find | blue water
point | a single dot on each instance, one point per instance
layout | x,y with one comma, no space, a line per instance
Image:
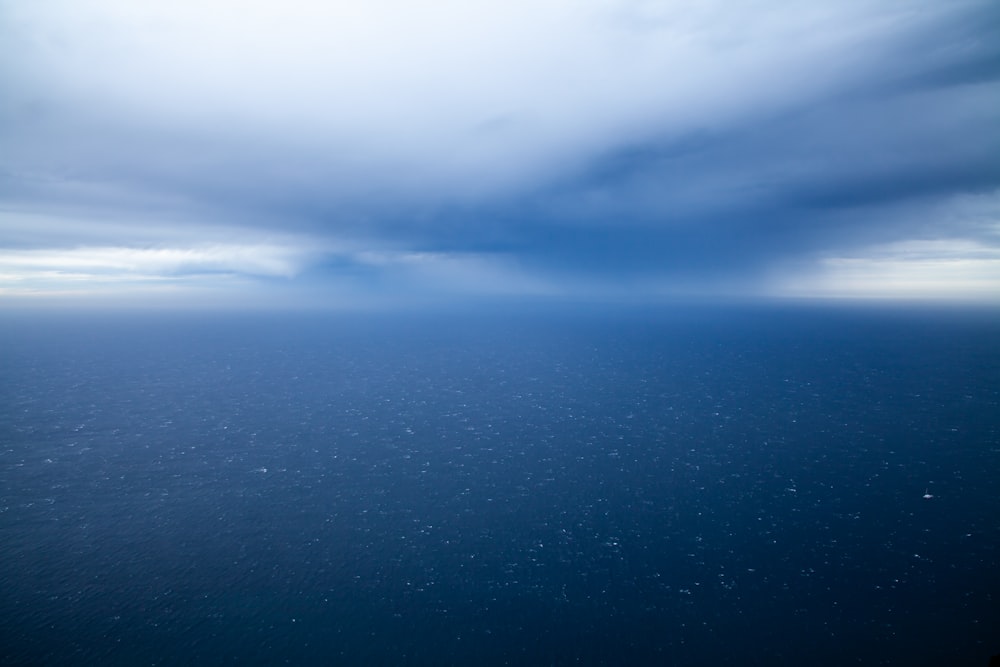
678,487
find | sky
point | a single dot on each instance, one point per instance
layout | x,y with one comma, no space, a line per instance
380,153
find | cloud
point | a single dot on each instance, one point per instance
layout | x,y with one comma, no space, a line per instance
130,272
942,268
548,147
252,260
929,267
449,98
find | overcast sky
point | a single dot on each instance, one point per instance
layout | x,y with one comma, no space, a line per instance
391,151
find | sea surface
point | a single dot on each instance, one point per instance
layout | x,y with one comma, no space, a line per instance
672,486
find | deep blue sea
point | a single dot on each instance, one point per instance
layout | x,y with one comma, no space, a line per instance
673,486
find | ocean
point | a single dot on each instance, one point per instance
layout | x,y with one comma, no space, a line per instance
754,485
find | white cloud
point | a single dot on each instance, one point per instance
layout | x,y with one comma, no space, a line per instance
421,95
140,262
915,269
122,271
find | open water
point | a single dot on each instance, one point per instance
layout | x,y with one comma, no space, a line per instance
759,486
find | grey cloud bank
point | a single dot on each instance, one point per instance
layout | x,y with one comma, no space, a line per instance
350,153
